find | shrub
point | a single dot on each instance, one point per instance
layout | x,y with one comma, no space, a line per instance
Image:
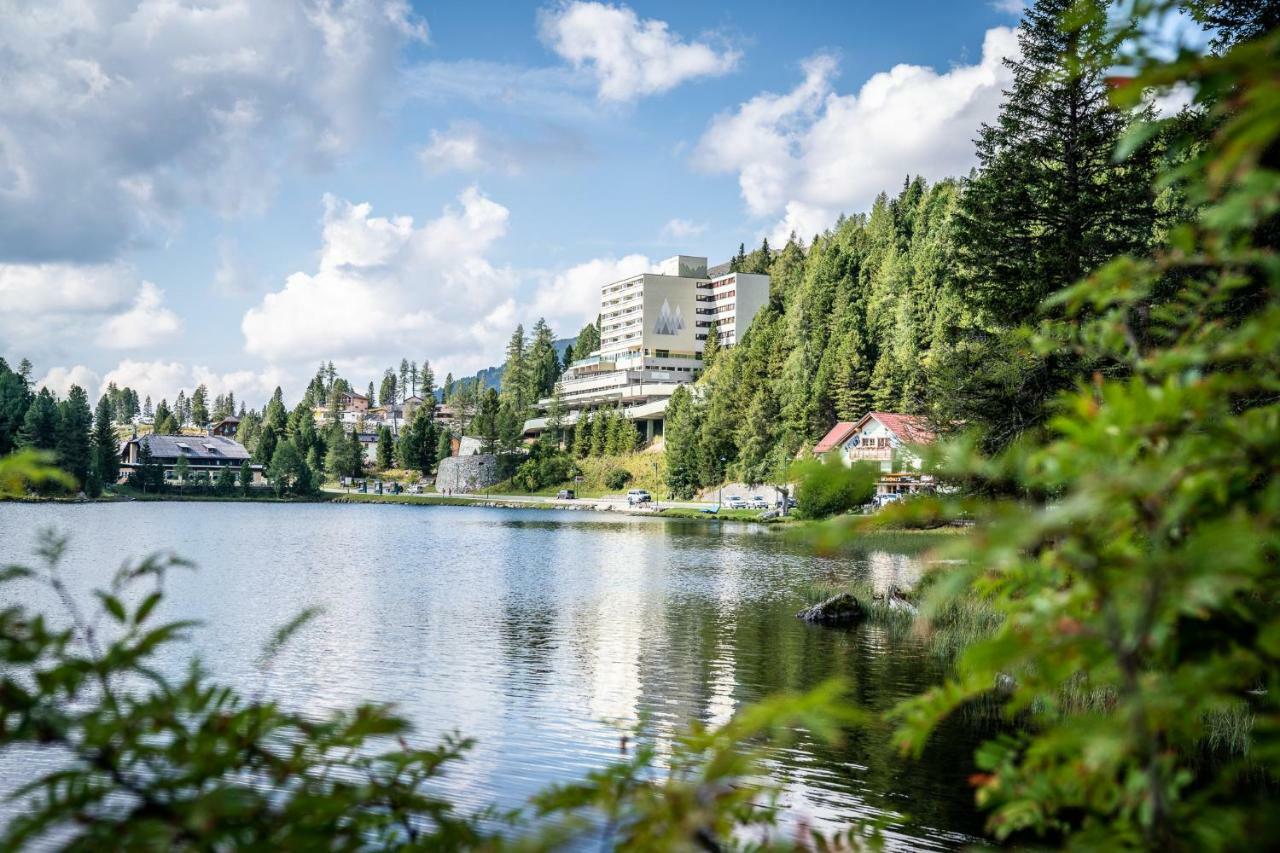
826,487
617,478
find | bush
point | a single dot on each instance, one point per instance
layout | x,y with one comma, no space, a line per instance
826,487
617,478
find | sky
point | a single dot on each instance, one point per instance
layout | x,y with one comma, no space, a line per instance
229,192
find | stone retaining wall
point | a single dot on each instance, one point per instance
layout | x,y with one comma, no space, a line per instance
465,474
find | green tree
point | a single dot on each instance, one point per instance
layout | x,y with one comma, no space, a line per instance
226,482
486,420
516,371
106,450
385,448
543,363
15,398
40,423
75,434
588,340
1050,201
711,346
757,439
200,406
246,477
387,391
826,487
182,470
444,445
288,472
680,435
582,435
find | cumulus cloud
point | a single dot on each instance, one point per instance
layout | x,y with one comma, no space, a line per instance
146,324
60,379
570,298
809,154
47,306
683,229
384,287
115,117
628,56
162,380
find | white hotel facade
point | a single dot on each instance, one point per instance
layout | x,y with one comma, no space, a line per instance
653,329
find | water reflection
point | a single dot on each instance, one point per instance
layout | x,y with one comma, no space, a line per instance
534,633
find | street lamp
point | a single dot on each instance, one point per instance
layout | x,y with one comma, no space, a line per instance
720,498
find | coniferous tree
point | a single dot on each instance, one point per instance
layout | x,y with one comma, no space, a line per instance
680,435
588,341
1050,201
515,371
40,423
387,392
74,434
384,447
486,420
199,406
543,363
15,398
582,434
711,346
105,447
147,411
246,477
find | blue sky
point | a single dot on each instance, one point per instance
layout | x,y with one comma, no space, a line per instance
227,192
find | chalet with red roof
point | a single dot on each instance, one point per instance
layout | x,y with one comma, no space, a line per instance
885,438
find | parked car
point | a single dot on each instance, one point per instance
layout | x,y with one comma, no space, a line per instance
638,496
735,502
758,502
565,495
791,503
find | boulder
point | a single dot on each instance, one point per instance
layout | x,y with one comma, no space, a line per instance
839,609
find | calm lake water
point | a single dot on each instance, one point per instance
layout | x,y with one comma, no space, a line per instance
535,632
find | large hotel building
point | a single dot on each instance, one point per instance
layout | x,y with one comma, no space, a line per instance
653,328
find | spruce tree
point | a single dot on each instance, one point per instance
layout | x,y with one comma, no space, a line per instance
74,434
1050,201
680,436
515,371
40,423
105,448
711,346
15,398
582,434
384,447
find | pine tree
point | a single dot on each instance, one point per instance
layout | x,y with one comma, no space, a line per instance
711,346
515,371
105,447
75,434
199,406
15,398
680,435
582,435
40,423
1051,202
599,433
543,363
147,411
588,341
756,438
384,447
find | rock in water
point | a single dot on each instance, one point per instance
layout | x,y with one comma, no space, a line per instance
840,609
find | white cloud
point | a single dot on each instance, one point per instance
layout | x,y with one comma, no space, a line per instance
570,299
384,288
809,154
164,379
629,57
1009,7
117,116
45,307
683,229
457,149
60,379
146,324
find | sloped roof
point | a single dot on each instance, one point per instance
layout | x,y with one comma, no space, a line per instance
199,448
836,436
910,429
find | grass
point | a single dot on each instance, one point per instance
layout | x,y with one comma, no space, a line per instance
722,515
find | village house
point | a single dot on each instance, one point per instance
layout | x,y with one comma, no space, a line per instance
207,454
351,401
227,427
887,439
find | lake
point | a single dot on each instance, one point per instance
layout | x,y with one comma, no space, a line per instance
536,632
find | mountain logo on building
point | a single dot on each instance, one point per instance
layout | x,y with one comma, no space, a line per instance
669,322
